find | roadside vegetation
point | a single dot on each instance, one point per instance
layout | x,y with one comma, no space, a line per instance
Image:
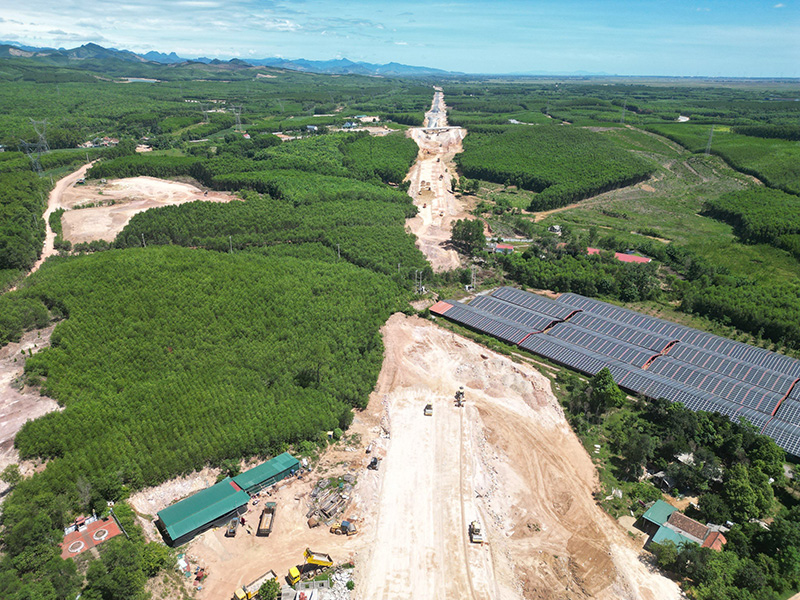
730,471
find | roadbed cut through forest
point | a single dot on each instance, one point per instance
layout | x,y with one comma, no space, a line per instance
429,180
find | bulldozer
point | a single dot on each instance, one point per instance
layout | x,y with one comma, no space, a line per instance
344,528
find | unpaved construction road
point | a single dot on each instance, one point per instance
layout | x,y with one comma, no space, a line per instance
508,459
18,403
429,179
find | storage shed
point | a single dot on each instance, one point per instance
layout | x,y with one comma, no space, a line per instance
268,473
207,508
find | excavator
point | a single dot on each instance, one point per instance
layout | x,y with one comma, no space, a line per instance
460,397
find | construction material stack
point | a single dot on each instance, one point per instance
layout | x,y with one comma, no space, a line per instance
251,589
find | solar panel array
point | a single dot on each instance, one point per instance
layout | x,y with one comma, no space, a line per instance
648,356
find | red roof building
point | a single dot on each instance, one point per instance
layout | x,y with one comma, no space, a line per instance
621,256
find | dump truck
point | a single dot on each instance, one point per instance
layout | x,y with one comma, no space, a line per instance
428,410
475,535
251,589
313,560
267,519
318,559
344,528
232,525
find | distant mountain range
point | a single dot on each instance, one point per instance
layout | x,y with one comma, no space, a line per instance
342,66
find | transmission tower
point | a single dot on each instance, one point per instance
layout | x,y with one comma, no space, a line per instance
237,111
35,151
710,137
622,117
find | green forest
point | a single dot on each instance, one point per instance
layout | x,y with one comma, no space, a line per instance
562,164
169,359
208,332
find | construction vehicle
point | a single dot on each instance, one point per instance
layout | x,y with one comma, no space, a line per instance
475,535
428,410
314,560
460,397
373,464
344,528
232,525
267,519
251,589
318,559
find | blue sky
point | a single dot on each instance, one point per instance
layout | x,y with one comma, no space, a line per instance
740,38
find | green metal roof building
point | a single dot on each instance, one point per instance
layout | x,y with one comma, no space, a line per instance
216,505
209,507
268,473
665,534
659,512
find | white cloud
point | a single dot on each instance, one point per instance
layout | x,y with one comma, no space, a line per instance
779,5
401,43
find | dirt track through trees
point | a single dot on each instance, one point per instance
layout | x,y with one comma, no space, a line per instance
429,180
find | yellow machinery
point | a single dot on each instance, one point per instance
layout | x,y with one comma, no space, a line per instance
317,559
344,527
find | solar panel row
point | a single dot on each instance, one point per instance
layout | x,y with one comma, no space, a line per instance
786,435
756,356
633,335
731,367
534,302
622,351
529,319
719,385
476,319
703,371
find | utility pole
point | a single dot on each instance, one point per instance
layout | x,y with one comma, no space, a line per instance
338,252
143,243
622,117
230,243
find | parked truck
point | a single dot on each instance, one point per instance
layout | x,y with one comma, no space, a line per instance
428,410
251,589
267,519
313,560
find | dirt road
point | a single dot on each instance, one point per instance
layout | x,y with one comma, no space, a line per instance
122,198
53,203
429,179
508,459
19,404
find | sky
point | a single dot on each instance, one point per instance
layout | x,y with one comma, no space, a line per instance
718,38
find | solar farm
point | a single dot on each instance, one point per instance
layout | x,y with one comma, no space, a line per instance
646,355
